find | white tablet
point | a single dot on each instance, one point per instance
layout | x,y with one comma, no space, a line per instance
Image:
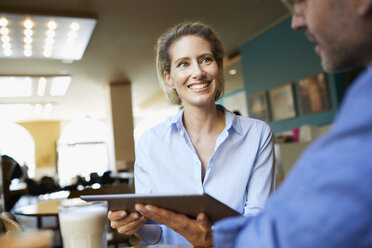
190,205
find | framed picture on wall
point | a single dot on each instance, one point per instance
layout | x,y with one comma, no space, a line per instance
258,106
313,94
283,102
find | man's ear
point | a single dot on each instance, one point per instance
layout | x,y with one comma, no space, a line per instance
168,79
364,7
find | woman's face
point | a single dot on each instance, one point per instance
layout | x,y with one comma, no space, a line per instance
194,72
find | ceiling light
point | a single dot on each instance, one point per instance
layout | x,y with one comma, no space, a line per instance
37,109
41,86
3,22
74,26
50,33
52,25
15,110
5,39
28,32
60,85
233,72
4,31
27,40
47,53
35,28
6,46
15,87
7,53
27,86
28,23
47,109
27,53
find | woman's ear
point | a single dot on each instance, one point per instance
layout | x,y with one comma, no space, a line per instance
168,80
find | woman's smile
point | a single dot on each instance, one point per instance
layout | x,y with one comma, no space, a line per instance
200,86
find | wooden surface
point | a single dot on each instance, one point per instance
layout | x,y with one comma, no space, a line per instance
34,239
45,208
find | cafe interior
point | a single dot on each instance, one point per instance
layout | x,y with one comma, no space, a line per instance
78,87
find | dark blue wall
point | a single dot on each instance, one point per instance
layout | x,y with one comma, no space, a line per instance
279,56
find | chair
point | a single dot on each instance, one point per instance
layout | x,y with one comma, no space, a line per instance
9,222
10,169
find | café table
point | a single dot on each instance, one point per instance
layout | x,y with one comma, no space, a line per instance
44,208
50,208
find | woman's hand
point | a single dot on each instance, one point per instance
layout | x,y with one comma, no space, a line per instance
126,223
197,232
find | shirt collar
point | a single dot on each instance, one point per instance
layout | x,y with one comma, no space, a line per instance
231,120
176,121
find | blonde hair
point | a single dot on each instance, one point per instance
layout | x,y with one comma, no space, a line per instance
175,33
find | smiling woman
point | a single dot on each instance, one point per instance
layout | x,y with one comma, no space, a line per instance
203,148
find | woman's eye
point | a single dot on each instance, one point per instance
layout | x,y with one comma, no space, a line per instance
207,60
182,64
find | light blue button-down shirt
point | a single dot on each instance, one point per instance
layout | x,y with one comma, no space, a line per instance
240,173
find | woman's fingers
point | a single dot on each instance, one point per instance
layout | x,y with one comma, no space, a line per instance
203,221
124,223
132,227
116,215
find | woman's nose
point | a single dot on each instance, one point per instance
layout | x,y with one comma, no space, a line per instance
197,71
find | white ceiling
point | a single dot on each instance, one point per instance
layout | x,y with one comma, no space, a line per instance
121,47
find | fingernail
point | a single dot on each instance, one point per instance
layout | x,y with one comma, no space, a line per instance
137,208
148,207
123,213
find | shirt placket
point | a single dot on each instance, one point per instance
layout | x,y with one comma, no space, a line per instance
197,166
220,139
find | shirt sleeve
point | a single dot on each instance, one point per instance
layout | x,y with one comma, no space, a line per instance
262,181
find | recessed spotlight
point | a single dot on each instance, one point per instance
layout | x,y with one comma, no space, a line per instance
28,32
28,24
27,40
50,33
47,53
52,25
5,39
233,72
3,22
7,52
4,31
27,53
6,46
74,26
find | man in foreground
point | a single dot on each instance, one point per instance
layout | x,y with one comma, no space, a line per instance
326,200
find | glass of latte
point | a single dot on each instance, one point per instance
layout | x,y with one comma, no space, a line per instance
84,225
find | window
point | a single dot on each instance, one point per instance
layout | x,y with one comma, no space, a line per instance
82,149
17,142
